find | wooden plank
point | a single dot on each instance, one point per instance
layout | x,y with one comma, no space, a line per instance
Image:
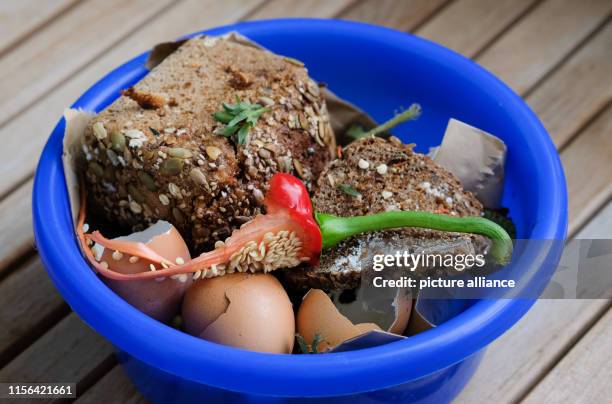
18,19
520,357
303,8
19,152
535,335
76,38
584,374
29,305
467,25
588,163
570,98
403,15
16,237
600,226
69,352
114,387
537,43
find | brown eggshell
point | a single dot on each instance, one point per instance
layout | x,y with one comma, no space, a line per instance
159,299
205,301
258,314
317,314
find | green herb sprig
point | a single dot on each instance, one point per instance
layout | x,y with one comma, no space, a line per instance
239,118
412,113
312,349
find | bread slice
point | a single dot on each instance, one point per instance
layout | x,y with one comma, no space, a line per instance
387,175
154,152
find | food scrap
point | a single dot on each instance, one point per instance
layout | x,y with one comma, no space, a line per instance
229,156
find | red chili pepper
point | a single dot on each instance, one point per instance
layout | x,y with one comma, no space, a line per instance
288,234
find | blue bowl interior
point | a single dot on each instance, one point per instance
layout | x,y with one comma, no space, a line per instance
379,70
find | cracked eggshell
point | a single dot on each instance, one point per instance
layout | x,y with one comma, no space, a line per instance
157,298
241,310
317,314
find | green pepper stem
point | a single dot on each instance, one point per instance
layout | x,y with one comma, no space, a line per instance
335,228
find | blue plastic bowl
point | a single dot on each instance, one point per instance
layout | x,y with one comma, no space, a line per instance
378,69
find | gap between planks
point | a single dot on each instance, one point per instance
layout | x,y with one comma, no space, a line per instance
21,19
53,54
584,374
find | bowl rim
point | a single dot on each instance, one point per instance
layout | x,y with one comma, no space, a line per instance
285,375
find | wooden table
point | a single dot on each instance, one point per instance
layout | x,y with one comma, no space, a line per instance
555,53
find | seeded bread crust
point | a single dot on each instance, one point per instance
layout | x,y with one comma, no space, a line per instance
153,153
388,175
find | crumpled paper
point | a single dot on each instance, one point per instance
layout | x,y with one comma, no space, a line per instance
476,157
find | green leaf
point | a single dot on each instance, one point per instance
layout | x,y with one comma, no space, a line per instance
302,344
239,118
349,190
229,130
243,133
318,338
222,116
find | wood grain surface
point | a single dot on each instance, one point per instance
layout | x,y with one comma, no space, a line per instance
556,53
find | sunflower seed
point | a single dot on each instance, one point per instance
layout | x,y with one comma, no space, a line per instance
303,121
147,181
164,199
135,193
266,101
96,169
213,152
175,190
312,88
180,152
264,153
172,166
135,207
259,196
117,141
99,130
198,177
178,215
298,168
